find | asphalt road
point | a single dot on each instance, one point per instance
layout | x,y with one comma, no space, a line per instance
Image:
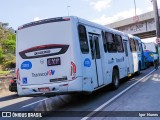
142,102
82,103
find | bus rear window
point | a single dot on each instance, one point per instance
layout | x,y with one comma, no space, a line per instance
83,39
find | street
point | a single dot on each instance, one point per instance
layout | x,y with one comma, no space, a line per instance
85,104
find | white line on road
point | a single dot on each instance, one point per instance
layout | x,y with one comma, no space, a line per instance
34,103
115,97
13,101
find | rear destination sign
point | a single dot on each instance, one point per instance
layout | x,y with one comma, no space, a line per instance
42,52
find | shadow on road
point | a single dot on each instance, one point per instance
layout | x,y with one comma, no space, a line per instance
9,97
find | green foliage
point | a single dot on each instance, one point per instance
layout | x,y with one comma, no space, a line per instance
4,72
7,48
1,55
8,61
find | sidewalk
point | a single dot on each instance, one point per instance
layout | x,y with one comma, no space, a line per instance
145,96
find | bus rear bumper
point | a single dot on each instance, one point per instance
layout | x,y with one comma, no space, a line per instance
52,94
68,87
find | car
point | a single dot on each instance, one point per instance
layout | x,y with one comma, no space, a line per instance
13,85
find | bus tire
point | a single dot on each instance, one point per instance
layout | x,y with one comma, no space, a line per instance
115,79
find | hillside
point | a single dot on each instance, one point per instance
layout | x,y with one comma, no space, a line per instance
7,48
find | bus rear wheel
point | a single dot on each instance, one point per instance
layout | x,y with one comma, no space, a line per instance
115,79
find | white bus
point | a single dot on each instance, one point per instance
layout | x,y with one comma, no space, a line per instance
70,55
137,52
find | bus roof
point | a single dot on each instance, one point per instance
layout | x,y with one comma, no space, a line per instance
67,18
44,21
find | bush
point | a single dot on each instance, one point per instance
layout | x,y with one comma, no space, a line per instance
8,65
1,55
8,62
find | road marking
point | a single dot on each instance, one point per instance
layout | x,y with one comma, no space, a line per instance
34,103
13,101
115,97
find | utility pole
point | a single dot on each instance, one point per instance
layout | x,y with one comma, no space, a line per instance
135,7
156,17
155,9
68,9
68,6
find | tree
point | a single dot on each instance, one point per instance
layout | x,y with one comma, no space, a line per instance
8,61
1,55
7,48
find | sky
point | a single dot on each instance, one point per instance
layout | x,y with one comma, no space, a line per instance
19,12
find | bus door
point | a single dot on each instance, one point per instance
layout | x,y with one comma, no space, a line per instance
97,73
128,63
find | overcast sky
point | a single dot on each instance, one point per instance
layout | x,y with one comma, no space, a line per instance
18,12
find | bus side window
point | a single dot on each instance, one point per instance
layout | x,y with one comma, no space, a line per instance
119,43
83,39
91,45
137,46
111,46
104,41
98,56
132,45
125,47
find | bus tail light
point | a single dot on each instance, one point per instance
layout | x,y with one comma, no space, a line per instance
73,70
74,67
17,74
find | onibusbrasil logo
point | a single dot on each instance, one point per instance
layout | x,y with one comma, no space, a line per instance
48,73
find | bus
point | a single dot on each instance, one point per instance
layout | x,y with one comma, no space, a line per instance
67,55
137,52
151,52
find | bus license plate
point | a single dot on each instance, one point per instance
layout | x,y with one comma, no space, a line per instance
53,61
44,89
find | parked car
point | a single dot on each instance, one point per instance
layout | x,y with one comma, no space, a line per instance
13,85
